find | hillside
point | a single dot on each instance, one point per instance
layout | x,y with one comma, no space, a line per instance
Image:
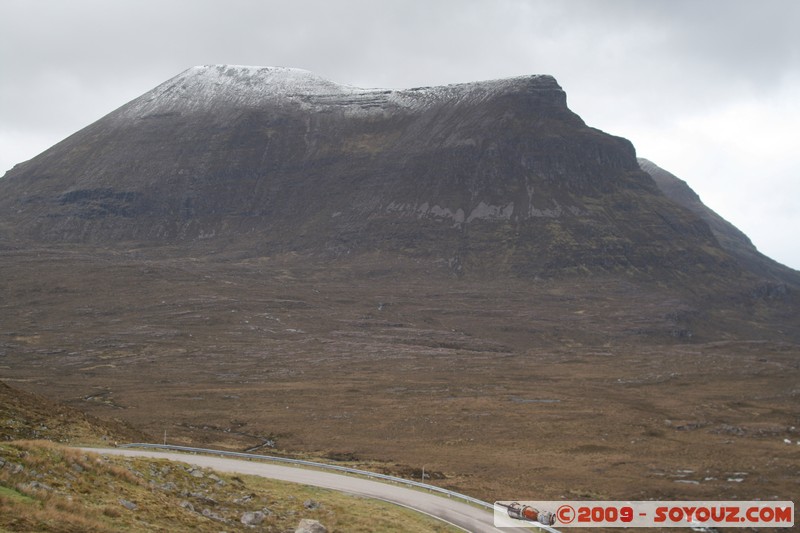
25,416
50,488
466,279
45,486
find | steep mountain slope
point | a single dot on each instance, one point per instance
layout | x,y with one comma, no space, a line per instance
496,175
728,235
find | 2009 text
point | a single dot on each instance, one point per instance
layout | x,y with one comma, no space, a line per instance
646,513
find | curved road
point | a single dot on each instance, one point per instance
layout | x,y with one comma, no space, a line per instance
454,512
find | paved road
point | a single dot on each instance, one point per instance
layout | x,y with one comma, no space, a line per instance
456,513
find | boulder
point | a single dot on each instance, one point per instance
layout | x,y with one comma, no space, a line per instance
127,504
254,518
307,525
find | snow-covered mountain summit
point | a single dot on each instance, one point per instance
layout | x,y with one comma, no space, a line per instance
492,174
214,86
211,87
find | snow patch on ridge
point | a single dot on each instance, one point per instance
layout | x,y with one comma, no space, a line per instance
211,87
215,86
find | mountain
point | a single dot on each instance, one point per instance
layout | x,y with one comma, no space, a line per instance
495,176
728,235
465,279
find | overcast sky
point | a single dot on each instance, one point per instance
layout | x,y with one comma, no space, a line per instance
707,89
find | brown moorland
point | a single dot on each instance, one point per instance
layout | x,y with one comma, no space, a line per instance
562,388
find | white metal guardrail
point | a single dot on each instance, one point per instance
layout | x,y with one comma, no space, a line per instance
432,488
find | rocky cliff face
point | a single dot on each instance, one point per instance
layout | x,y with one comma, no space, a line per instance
497,174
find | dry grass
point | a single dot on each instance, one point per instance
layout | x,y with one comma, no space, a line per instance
24,415
46,487
546,389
